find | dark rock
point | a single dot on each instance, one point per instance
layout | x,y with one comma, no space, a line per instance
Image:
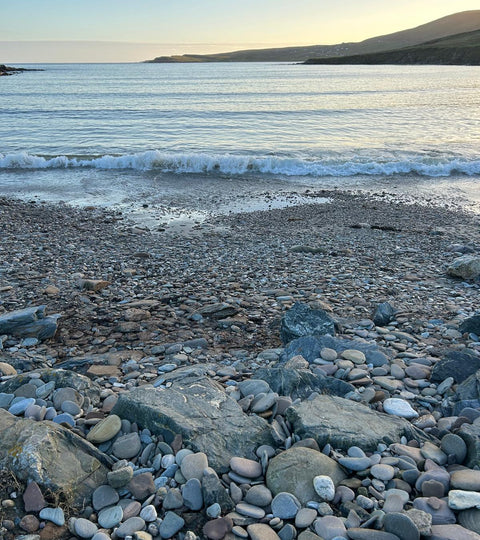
200,411
214,492
218,311
344,423
301,320
301,383
470,519
470,433
384,314
456,364
469,389
29,322
33,499
401,525
52,456
471,325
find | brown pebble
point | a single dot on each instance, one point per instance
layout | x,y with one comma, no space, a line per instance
29,523
33,498
216,529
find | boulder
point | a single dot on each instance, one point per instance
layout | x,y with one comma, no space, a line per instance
384,314
199,410
344,423
301,320
299,383
30,322
471,325
293,472
52,456
310,348
465,267
456,364
470,433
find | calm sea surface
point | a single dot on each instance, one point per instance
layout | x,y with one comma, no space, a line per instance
96,133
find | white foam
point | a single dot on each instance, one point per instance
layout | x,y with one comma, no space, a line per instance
240,165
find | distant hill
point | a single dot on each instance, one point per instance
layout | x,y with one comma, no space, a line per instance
465,21
460,49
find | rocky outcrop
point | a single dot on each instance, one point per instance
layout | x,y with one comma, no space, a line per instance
301,321
54,457
344,423
199,410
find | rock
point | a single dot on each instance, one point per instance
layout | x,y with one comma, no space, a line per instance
216,529
119,478
293,472
247,468
52,456
259,495
55,515
171,524
344,423
141,486
461,500
285,505
218,311
214,492
437,508
301,320
94,285
465,267
324,487
330,527
29,322
355,533
130,526
454,445
192,494
194,465
470,433
470,519
384,314
399,407
104,496
456,364
466,479
452,532
301,383
471,324
110,517
33,499
401,525
195,407
105,430
84,528
127,446
261,531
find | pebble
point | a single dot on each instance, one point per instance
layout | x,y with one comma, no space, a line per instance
399,407
105,430
55,515
260,531
130,526
84,528
193,465
246,467
110,517
324,487
170,525
285,506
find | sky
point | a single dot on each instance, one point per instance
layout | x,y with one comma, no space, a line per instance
134,30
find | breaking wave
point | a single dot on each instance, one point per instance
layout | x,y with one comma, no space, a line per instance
239,165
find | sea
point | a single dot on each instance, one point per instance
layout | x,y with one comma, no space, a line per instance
217,137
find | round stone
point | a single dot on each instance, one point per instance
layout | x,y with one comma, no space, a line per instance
454,445
149,513
305,517
470,519
110,517
246,467
461,500
216,529
71,407
193,465
467,479
66,394
259,495
64,418
324,487
382,472
84,528
261,531
330,527
105,430
330,355
250,510
357,357
285,506
127,446
55,515
104,496
399,407
192,494
45,390
119,478
20,406
130,526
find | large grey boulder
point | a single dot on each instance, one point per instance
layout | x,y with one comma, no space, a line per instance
300,383
465,267
197,408
344,423
54,457
301,320
61,377
472,324
293,472
29,322
470,433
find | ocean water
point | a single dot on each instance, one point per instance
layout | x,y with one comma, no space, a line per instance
130,133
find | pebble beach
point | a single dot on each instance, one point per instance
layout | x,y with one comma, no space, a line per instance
303,372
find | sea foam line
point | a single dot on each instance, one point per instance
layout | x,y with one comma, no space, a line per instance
239,165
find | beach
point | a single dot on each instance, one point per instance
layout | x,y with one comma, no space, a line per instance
188,320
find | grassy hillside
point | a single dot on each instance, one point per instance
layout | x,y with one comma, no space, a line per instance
457,23
460,49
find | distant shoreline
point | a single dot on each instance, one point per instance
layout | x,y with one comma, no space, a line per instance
5,71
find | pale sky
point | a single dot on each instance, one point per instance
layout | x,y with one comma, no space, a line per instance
30,30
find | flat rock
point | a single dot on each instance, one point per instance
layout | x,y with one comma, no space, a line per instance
294,470
399,407
29,323
465,267
105,430
52,456
301,320
452,532
344,423
199,410
261,531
